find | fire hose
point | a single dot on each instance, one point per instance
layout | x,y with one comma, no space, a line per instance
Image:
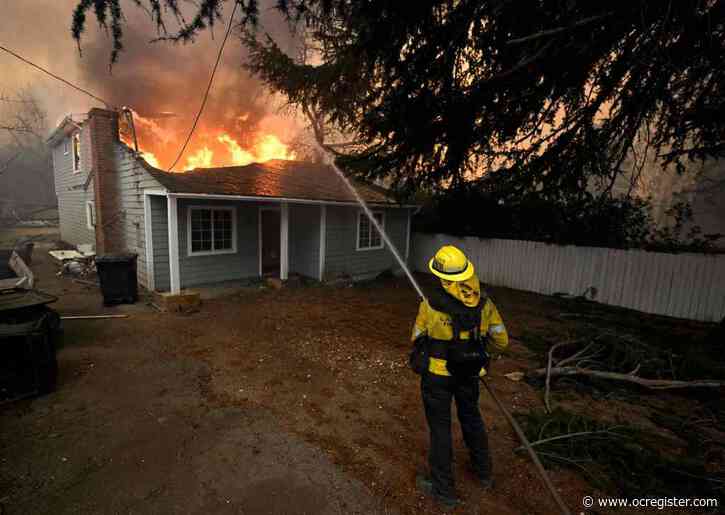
525,441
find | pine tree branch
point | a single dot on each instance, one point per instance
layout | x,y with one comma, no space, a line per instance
558,30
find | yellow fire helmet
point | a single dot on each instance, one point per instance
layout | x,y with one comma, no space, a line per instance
450,264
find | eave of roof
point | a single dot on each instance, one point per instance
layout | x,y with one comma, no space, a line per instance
65,128
273,180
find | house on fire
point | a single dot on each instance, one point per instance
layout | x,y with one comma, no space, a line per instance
219,224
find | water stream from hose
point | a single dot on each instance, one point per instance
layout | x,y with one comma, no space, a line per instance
330,161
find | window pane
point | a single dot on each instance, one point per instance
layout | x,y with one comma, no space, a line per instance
212,230
364,232
200,245
90,214
201,231
374,238
222,230
76,152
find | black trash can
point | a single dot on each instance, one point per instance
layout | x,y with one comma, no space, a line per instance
117,274
5,271
29,335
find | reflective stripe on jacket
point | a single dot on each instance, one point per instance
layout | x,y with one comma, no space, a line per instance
437,325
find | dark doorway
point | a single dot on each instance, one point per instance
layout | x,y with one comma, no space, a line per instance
270,242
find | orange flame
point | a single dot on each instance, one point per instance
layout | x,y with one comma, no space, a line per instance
267,147
209,147
239,156
150,159
203,158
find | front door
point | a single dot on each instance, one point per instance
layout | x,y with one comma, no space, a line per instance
270,242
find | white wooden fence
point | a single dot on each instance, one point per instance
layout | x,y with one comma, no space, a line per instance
688,285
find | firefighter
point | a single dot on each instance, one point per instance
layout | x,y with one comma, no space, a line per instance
450,334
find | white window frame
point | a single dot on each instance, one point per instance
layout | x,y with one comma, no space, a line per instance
73,156
66,145
212,252
360,214
91,215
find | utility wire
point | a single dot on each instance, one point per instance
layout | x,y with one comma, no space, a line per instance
208,88
107,104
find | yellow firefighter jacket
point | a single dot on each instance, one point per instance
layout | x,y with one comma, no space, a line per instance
437,325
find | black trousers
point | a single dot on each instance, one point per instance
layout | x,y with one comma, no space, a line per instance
437,392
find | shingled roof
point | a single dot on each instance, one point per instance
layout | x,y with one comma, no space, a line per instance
278,179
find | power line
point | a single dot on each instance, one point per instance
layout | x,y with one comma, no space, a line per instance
208,88
107,104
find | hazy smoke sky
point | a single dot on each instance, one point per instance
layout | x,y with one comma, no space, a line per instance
149,77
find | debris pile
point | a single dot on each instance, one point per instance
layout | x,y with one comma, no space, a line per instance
620,457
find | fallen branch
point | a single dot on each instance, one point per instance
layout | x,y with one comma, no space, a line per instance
577,355
655,384
549,365
570,435
548,374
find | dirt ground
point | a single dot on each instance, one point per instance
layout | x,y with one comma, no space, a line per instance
267,401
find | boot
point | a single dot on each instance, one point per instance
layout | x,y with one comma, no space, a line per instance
482,479
485,483
425,485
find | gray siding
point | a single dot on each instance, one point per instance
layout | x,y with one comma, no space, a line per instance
71,195
197,270
341,256
131,181
304,240
160,239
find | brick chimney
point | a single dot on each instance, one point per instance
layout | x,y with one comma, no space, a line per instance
103,138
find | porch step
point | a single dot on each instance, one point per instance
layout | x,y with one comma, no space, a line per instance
274,282
186,301
277,283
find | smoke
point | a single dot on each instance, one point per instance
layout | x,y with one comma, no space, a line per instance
162,82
